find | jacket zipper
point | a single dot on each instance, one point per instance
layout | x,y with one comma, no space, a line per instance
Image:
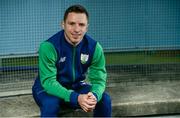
73,66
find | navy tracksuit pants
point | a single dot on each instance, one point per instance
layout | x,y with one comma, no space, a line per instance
51,105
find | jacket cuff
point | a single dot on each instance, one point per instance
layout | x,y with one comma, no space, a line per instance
74,99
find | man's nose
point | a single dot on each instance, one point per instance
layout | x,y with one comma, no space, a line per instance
77,28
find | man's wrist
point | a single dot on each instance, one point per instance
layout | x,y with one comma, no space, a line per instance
95,95
74,98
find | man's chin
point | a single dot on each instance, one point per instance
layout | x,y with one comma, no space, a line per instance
75,40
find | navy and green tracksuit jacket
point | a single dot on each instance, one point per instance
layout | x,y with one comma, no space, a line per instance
62,65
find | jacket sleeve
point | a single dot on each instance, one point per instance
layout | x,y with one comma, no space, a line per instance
48,71
97,72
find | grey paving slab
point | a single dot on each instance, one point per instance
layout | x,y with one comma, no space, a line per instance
161,97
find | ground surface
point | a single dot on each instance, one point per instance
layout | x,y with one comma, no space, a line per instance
129,100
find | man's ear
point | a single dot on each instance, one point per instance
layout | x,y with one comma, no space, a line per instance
87,27
62,24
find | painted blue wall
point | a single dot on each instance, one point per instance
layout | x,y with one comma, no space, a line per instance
116,24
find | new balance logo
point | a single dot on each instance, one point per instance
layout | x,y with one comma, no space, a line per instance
62,59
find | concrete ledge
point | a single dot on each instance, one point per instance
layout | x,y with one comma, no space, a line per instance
16,106
127,100
15,93
148,108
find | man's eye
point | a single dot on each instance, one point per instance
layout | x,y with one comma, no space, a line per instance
71,23
81,24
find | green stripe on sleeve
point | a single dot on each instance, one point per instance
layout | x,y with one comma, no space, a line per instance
97,72
48,71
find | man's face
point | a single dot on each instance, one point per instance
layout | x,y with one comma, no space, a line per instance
75,26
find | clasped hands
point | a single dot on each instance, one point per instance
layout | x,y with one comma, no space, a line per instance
87,101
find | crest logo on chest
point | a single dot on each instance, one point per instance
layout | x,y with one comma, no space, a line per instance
84,58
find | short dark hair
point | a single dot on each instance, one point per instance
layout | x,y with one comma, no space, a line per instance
77,9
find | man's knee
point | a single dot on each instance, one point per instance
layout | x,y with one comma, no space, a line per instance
106,98
105,102
103,107
50,107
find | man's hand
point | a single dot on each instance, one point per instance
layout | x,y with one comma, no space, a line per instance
87,101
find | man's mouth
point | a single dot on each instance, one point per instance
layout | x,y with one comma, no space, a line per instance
75,35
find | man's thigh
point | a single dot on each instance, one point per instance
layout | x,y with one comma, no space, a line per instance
44,98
